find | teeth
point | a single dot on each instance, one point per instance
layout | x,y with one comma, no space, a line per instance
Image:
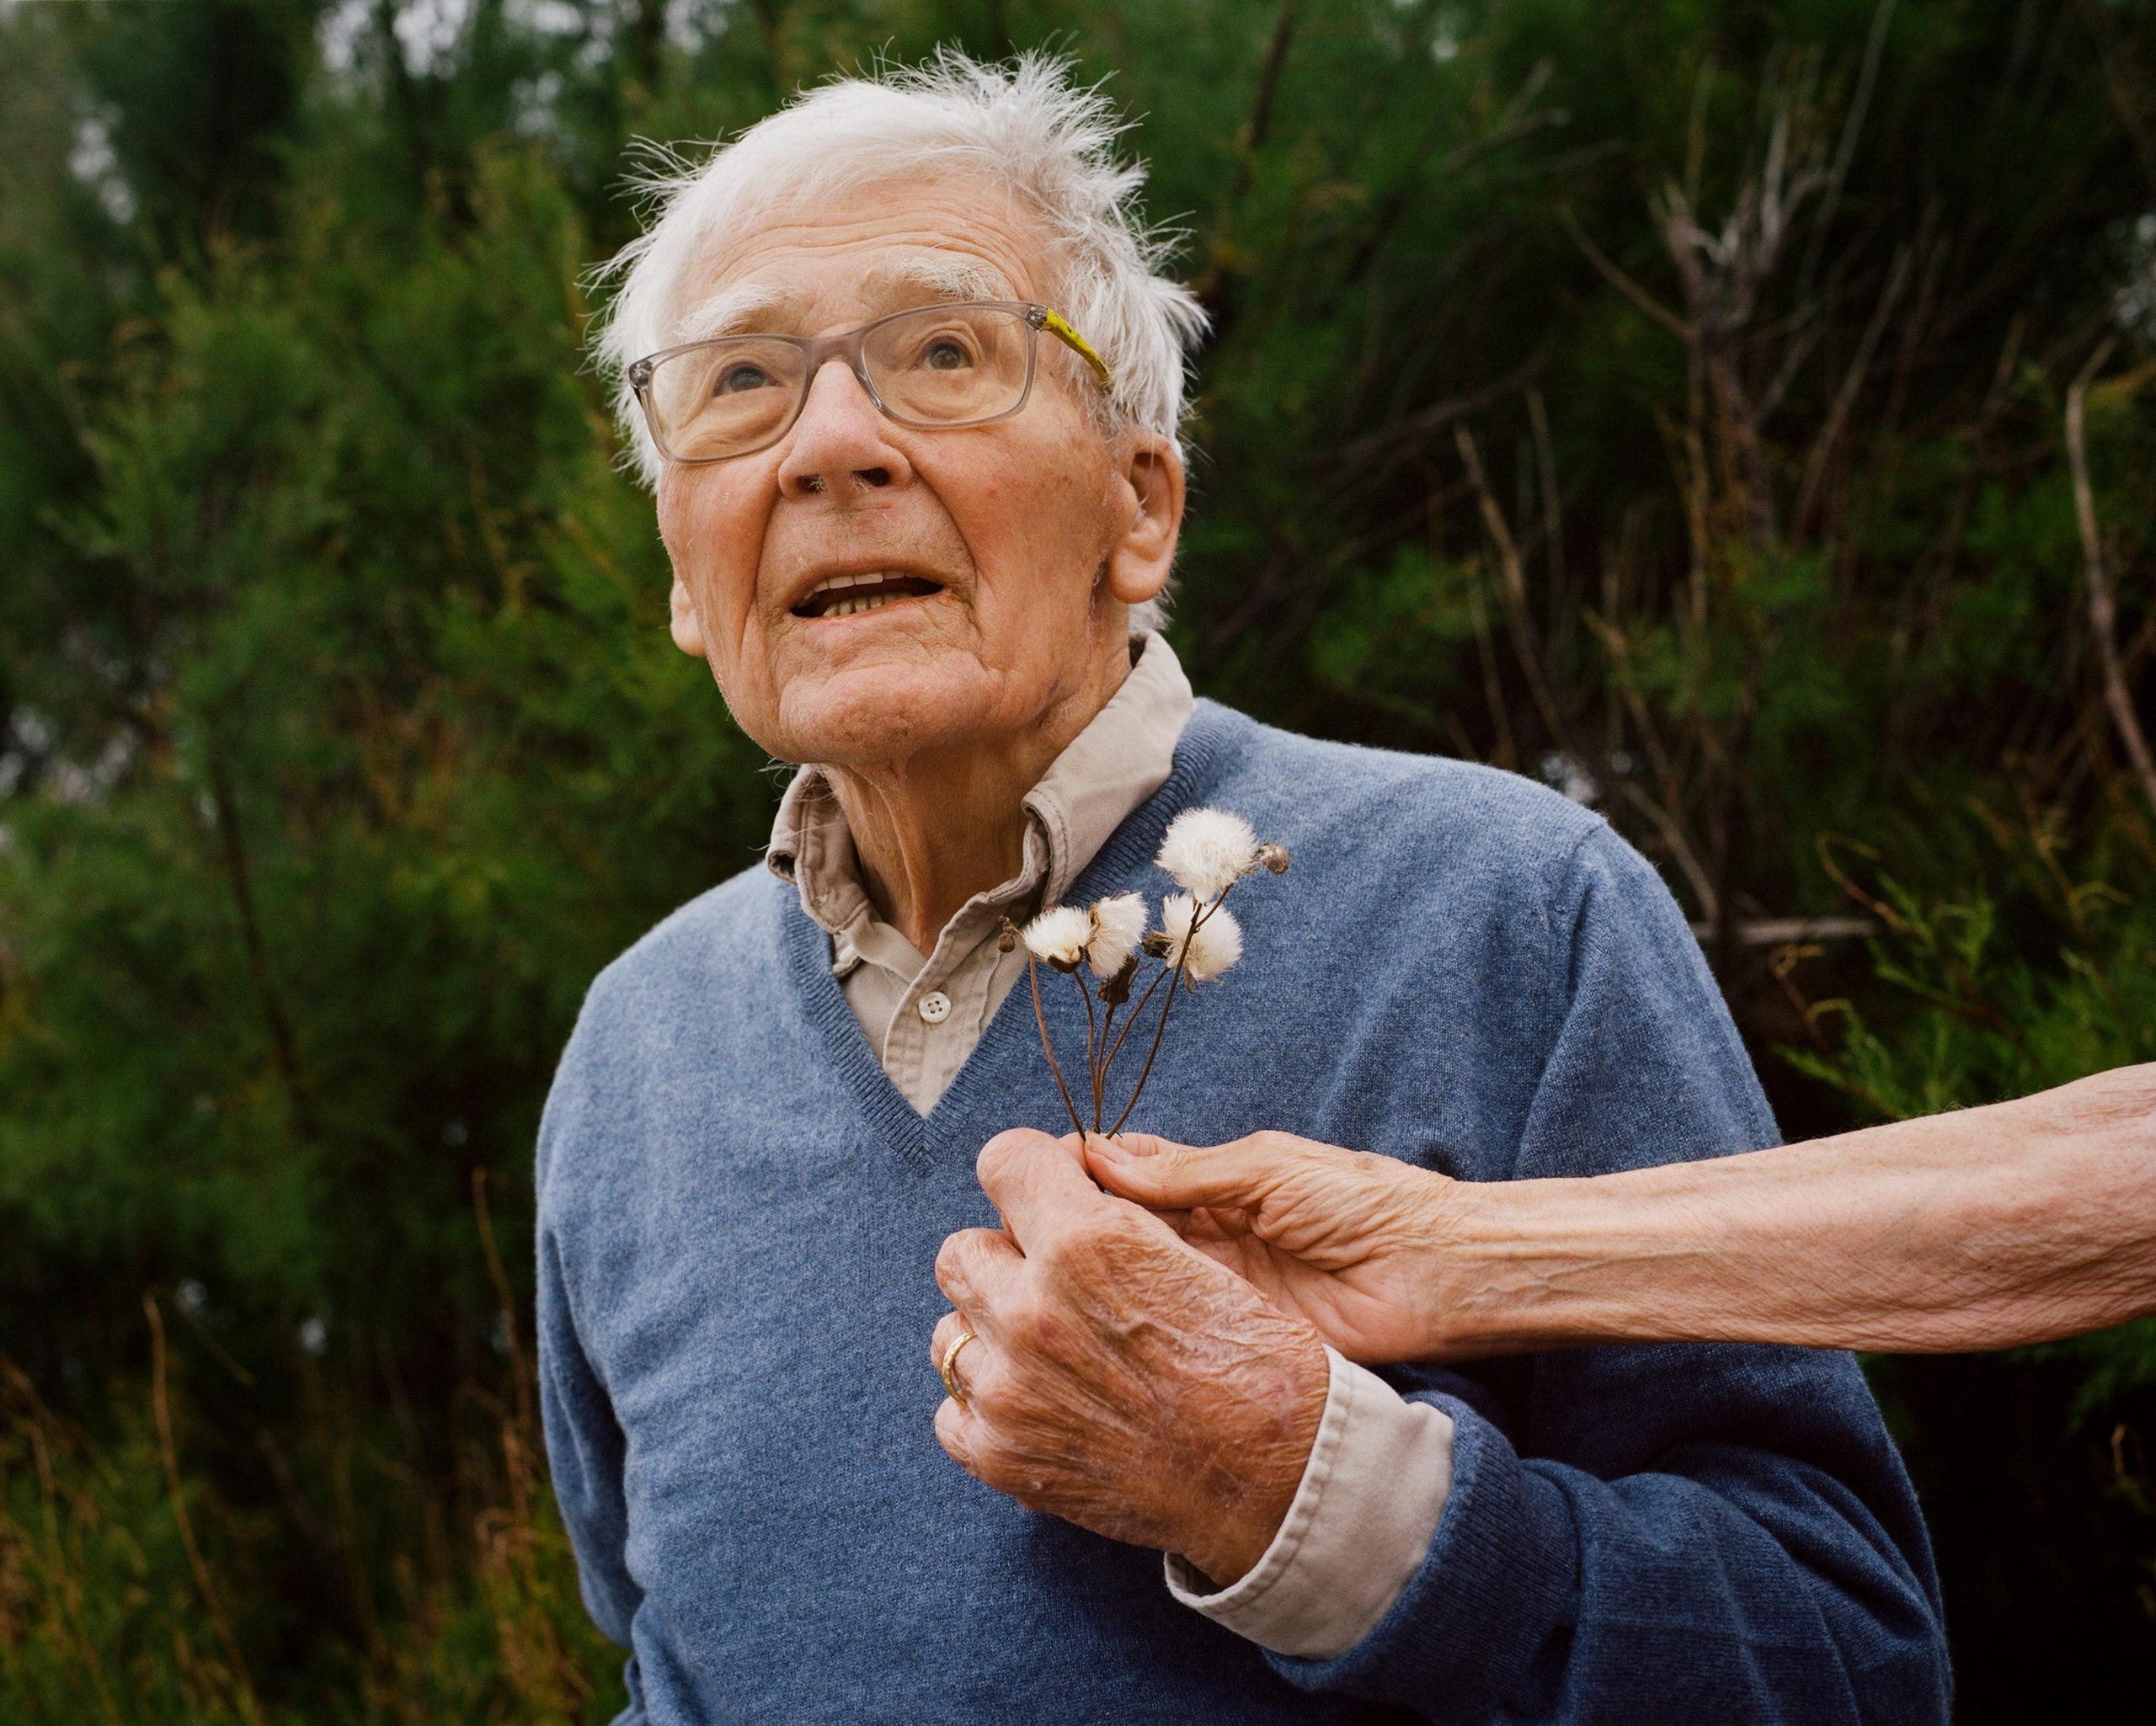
865,602
838,583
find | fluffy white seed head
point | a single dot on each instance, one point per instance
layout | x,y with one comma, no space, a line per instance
1119,925
1058,936
1216,943
1207,850
1025,129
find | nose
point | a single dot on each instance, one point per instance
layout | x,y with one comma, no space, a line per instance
841,442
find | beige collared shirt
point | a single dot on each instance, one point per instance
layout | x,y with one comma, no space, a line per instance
1375,1486
925,1015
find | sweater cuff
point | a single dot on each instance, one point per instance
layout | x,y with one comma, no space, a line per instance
1371,1494
1500,1579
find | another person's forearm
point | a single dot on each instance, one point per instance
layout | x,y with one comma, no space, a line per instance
1983,1229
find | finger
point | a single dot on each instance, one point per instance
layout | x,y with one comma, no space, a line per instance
972,1358
1039,1184
954,1432
949,1330
1163,1176
976,1268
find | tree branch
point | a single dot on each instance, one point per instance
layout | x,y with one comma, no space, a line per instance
2103,618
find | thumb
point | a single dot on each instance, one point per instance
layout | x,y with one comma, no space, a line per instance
1164,1175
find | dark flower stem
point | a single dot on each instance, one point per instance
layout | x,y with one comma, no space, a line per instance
1182,959
1160,977
1101,1066
1092,1037
1048,1048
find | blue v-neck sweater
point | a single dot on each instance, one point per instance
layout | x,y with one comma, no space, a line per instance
738,1216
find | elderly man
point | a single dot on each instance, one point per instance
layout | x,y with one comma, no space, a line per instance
908,385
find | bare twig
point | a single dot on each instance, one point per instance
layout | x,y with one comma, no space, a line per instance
1259,127
519,1368
2124,101
1517,617
1784,931
41,1428
2103,621
1680,848
1825,846
1660,313
1553,524
1519,119
1493,695
284,1045
1216,283
169,1453
1845,152
1815,469
1412,427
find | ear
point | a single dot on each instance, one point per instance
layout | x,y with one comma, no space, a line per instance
1148,482
688,630
683,623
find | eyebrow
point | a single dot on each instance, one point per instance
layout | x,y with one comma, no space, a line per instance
952,278
727,312
743,305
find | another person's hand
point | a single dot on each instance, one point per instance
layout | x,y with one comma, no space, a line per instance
1120,1379
1359,1244
1990,1228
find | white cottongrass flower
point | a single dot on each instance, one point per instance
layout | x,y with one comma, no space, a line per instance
1208,850
1058,936
1119,924
1215,945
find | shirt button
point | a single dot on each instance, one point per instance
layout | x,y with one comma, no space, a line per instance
935,1006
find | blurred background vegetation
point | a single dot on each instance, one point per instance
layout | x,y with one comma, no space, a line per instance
1729,412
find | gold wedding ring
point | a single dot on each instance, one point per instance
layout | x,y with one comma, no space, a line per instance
950,1362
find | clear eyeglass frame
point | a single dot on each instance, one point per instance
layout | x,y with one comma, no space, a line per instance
850,346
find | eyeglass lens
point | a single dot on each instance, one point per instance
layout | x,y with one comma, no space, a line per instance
941,365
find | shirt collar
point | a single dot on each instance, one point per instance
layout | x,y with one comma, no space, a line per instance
1122,756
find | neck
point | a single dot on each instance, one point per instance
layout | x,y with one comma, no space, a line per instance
938,827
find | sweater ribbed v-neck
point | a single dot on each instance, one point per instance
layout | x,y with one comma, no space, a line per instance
894,1121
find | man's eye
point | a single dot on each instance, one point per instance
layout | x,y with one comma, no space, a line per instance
737,378
946,353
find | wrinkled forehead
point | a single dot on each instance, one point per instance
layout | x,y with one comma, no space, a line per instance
768,301
798,258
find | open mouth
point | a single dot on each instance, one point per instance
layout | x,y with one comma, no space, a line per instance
850,595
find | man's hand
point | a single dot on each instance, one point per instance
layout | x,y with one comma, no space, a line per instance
1122,1380
1363,1246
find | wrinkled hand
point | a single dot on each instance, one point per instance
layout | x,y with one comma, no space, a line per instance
1122,1380
1360,1245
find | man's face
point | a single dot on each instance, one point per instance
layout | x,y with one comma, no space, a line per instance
1012,521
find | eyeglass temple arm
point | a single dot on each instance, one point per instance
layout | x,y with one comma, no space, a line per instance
1058,326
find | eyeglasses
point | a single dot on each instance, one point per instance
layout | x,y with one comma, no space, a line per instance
965,363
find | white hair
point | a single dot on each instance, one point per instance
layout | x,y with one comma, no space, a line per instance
1023,127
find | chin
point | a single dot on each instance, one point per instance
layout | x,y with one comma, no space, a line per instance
869,712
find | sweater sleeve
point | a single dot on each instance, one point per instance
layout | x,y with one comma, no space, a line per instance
1679,1533
584,1445
584,1454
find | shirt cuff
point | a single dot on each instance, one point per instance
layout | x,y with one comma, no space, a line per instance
1357,1530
